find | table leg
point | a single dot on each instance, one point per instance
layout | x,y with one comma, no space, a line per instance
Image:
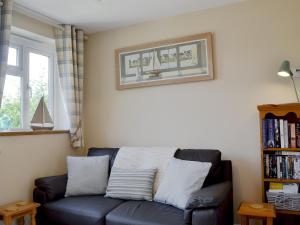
7,220
244,220
20,221
269,221
33,213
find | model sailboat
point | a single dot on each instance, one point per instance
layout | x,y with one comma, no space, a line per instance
41,119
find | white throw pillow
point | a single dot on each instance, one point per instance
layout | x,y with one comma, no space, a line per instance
87,175
182,178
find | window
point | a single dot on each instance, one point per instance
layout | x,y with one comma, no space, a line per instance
30,75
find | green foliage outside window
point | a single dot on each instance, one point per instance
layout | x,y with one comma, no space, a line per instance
10,114
10,111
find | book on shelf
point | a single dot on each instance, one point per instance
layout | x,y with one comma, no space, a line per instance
297,168
267,165
270,133
276,186
282,165
285,134
288,188
298,135
279,133
287,153
293,135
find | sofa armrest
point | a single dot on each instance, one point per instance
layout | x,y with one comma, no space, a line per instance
210,196
39,196
219,215
50,188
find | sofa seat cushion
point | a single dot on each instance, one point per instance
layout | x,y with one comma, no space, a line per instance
80,210
145,213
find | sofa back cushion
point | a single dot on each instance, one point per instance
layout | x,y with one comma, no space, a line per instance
111,152
201,155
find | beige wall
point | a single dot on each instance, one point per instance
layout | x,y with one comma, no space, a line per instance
250,41
24,158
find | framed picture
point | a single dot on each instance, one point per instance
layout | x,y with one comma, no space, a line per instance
179,60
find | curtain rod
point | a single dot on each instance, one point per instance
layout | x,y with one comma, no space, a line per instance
38,16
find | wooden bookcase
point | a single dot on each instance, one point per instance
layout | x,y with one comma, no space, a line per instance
278,111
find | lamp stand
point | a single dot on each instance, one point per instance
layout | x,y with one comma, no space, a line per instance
295,89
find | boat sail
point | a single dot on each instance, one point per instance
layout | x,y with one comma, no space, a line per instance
156,66
41,119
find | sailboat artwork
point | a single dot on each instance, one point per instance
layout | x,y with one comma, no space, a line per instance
178,60
41,119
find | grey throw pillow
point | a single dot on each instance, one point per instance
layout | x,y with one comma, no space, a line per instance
87,175
181,180
133,184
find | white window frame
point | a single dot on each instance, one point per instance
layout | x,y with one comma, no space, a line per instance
25,46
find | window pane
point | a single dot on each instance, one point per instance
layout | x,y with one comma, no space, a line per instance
12,56
10,112
38,80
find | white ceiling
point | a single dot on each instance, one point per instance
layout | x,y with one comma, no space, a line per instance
99,15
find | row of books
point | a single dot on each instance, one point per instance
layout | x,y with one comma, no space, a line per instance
282,165
279,133
290,188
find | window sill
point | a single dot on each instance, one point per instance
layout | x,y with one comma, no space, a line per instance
39,132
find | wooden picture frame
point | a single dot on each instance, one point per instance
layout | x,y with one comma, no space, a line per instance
173,61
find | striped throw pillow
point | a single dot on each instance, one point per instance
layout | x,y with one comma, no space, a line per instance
133,184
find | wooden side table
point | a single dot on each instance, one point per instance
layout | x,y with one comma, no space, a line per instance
18,210
257,211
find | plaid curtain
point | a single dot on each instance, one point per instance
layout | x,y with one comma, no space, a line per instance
69,49
5,27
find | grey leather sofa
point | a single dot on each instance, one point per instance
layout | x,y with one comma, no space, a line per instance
212,205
